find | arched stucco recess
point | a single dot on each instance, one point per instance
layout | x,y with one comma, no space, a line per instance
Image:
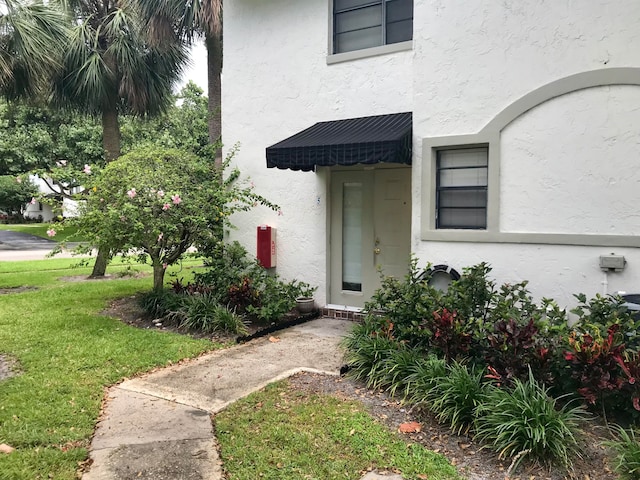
489,136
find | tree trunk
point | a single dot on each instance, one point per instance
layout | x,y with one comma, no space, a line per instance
158,276
110,131
214,71
102,259
111,145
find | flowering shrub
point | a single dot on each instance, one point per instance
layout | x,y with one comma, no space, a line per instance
159,202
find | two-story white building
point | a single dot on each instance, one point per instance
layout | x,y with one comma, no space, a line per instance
504,131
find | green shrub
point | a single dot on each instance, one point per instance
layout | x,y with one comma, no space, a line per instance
525,422
455,396
366,354
627,450
243,284
422,378
203,313
159,303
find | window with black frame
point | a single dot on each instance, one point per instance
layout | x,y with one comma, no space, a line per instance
359,24
461,188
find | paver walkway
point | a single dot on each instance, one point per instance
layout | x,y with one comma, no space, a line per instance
158,426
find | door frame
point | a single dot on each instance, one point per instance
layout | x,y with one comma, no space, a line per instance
330,259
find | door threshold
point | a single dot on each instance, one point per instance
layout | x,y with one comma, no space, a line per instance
343,312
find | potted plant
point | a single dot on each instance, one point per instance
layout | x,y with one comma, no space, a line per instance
305,302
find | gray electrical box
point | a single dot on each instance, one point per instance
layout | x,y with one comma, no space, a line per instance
612,262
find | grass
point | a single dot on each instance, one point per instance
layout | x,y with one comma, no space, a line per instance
69,234
285,434
67,354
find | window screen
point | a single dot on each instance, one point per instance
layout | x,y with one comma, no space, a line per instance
359,24
461,188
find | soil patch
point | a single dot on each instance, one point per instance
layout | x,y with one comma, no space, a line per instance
472,462
110,276
6,291
8,367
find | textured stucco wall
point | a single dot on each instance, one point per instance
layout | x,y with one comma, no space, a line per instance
276,83
568,165
470,60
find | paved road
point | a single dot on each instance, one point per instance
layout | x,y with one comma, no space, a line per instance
22,246
23,241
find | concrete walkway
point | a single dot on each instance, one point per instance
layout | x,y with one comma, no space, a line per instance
158,426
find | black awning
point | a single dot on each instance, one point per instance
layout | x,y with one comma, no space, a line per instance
367,140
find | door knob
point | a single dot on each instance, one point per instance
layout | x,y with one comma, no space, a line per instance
376,251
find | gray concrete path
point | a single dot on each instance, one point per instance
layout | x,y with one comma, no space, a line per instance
158,426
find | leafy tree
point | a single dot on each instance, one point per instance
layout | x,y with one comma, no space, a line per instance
32,35
159,202
183,126
190,20
34,138
111,67
15,194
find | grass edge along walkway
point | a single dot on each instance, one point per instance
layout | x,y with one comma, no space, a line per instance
68,353
285,434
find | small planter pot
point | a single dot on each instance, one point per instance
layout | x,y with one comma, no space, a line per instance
305,304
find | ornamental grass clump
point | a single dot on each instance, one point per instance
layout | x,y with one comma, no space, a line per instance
627,449
455,396
203,313
525,422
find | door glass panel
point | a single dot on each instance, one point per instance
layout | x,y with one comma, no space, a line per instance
352,237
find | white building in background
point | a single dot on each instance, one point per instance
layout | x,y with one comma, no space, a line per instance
494,131
43,211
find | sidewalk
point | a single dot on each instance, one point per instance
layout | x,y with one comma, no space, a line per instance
159,426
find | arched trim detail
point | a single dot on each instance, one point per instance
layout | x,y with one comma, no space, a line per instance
562,86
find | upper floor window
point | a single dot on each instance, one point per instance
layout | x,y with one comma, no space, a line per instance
461,188
359,24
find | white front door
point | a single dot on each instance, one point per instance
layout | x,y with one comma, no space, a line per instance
370,230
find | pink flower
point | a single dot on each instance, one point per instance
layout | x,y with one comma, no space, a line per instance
280,213
33,201
131,193
160,236
176,199
160,193
166,206
51,232
164,265
87,169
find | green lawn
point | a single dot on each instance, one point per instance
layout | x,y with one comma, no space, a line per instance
69,234
68,353
284,434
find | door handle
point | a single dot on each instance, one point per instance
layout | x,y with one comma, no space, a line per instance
376,251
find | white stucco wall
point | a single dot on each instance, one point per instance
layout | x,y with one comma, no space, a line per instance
468,63
276,82
570,165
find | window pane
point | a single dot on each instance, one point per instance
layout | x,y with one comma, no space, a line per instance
399,31
347,42
339,5
462,198
399,10
358,19
469,157
462,188
475,218
352,236
463,177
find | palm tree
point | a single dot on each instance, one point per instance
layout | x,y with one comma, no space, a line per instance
111,67
190,19
32,36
